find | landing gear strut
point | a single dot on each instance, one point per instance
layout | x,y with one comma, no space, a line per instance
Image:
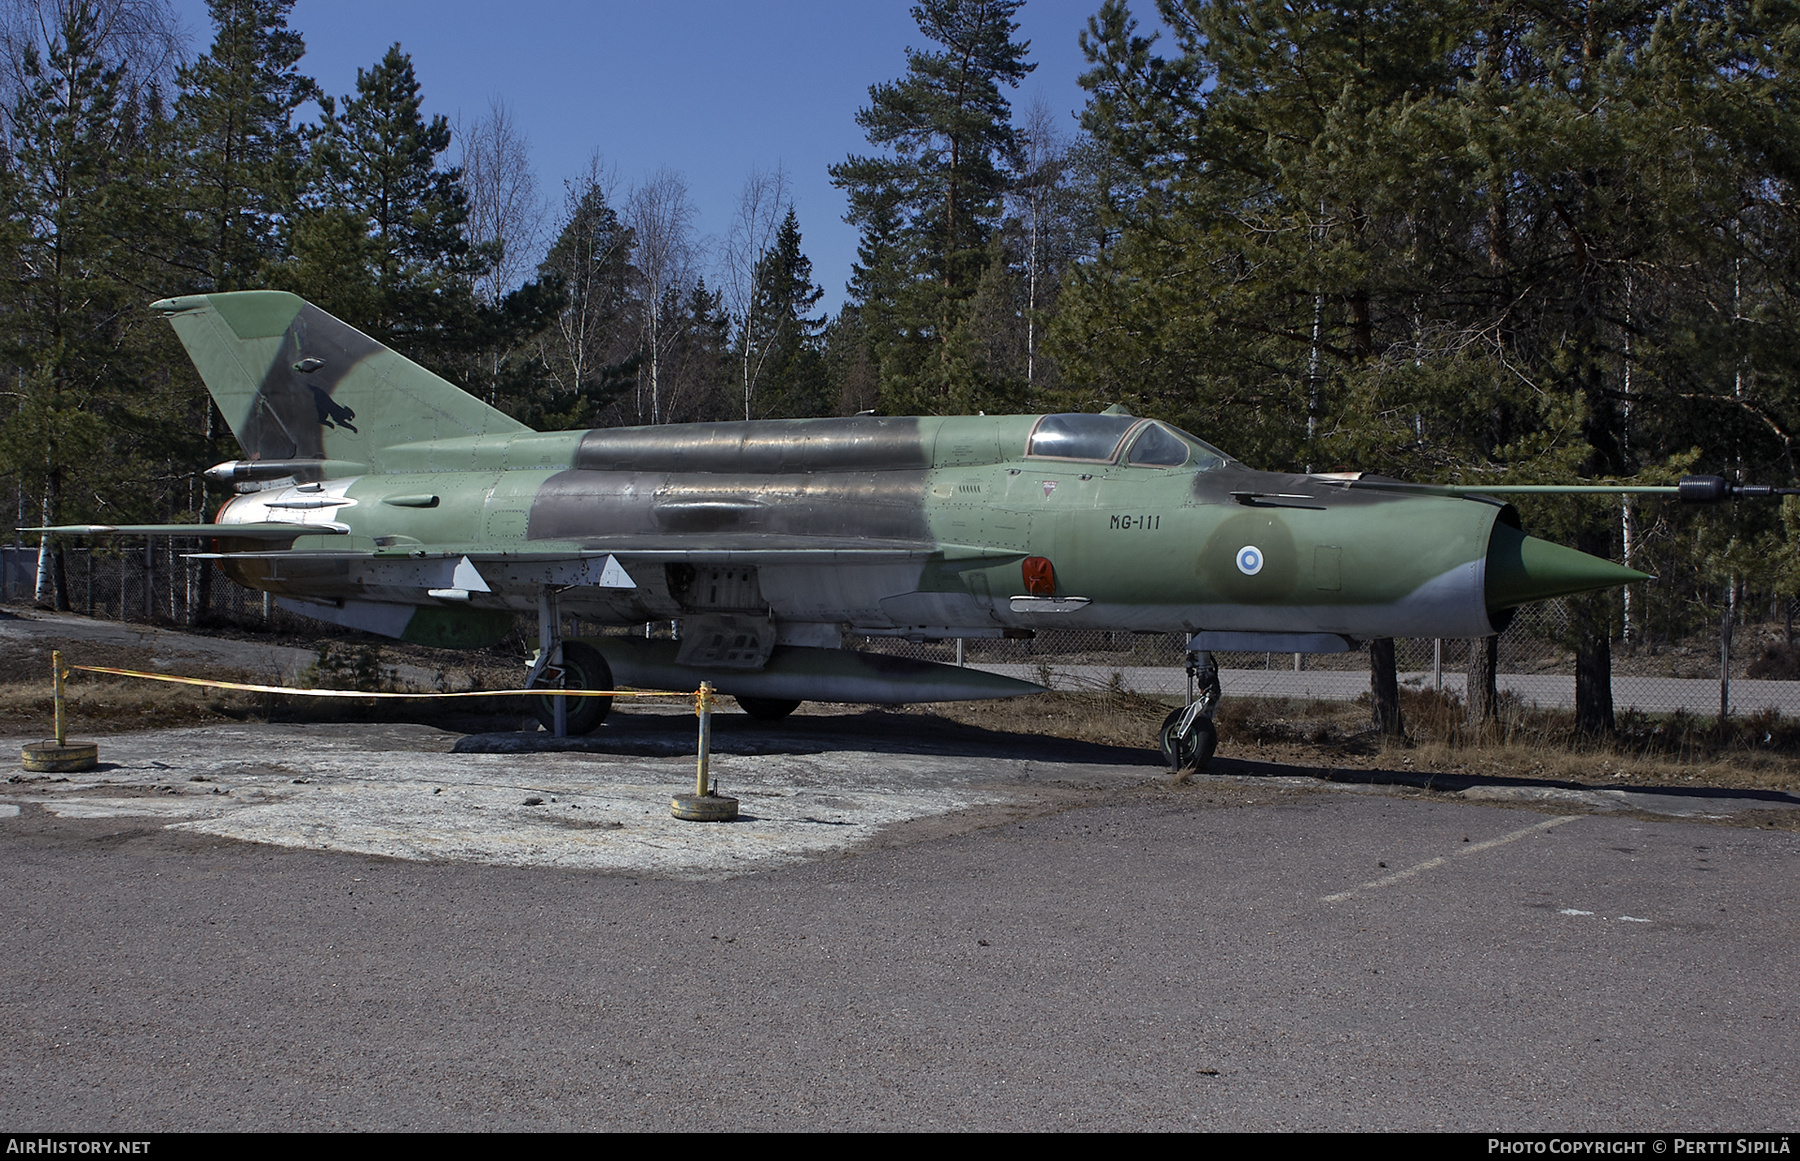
1188,735
566,665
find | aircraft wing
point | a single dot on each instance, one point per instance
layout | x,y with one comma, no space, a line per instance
607,562
746,549
268,530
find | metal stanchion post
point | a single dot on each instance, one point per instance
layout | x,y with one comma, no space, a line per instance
702,767
705,804
56,694
60,756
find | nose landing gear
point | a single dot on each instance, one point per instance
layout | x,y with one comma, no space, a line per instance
1188,735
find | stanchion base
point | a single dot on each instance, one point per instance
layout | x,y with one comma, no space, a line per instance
703,807
67,758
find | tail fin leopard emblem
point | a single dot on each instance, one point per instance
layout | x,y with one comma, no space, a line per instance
331,412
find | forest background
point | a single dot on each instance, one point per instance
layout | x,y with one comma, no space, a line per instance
1459,241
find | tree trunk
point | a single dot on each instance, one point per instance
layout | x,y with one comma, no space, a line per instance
1593,648
203,603
44,593
1384,688
1593,686
60,567
1483,683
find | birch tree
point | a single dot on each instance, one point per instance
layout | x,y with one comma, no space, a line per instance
506,213
591,352
764,202
661,220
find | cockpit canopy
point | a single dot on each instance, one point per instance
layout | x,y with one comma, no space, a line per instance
1098,438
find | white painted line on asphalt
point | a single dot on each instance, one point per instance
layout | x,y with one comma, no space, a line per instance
8,811
1432,864
1572,911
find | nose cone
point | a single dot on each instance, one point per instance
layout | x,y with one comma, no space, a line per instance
1522,569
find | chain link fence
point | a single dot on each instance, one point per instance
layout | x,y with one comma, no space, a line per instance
1655,672
1762,671
154,585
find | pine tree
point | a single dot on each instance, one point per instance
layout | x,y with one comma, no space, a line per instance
778,343
929,207
381,242
697,372
1469,242
233,176
591,351
81,400
241,152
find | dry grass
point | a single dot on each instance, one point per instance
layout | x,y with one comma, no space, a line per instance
93,708
1677,750
100,704
1113,718
1761,752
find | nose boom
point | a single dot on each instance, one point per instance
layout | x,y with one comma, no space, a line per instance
1522,569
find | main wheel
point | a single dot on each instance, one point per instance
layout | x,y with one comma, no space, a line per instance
1190,749
583,668
768,709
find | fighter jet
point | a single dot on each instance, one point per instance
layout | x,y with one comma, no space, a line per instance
377,496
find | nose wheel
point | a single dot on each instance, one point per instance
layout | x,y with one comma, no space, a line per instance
1188,735
1188,739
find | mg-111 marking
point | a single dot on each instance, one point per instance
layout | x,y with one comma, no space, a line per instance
1137,523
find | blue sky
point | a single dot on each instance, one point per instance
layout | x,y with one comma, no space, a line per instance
707,88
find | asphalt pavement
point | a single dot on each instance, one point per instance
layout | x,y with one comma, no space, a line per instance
1001,932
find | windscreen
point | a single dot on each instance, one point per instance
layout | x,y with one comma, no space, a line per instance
1158,447
1169,447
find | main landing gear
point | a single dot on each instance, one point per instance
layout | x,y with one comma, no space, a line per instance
1188,735
566,665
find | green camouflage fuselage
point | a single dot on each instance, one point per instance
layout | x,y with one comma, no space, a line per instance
438,517
1149,548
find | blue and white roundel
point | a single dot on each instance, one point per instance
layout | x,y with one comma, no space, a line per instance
1249,560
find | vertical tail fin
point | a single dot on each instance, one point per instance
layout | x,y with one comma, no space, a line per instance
295,383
